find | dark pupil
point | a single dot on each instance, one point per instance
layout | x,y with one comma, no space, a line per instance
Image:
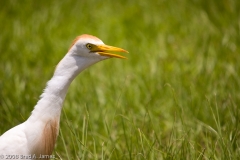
89,46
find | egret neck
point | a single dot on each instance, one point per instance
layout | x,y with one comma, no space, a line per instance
52,98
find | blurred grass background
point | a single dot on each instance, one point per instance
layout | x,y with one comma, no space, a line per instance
176,97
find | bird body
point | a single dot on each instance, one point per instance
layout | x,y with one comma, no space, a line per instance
38,134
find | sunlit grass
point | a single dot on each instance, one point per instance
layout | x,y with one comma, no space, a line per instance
176,97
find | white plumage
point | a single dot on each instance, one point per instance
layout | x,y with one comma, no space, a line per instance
37,135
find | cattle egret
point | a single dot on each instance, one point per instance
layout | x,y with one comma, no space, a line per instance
37,135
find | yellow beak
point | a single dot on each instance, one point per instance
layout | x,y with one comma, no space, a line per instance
104,50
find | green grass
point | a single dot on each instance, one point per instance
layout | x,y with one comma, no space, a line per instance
176,97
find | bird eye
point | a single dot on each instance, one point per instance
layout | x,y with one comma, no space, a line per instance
89,46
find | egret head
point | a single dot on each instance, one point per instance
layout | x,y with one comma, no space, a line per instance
88,46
